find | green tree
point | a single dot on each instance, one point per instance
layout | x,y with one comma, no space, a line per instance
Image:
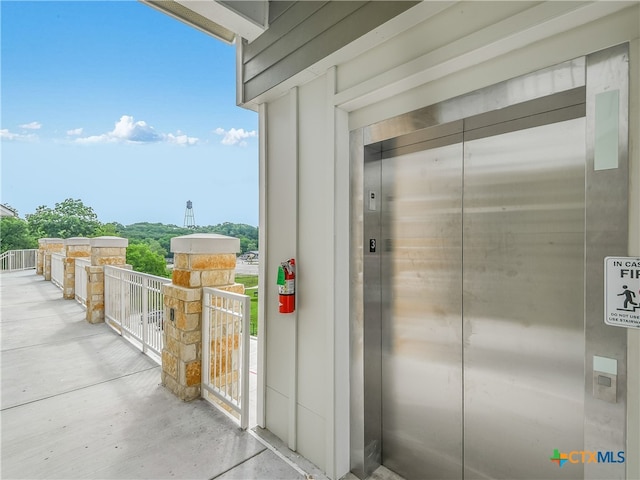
112,229
165,242
144,260
163,234
71,218
15,235
156,247
247,245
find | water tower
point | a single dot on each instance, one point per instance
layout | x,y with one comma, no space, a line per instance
189,218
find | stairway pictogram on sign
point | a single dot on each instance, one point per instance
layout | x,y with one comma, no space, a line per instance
628,300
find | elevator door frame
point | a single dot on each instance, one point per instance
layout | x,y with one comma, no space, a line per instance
605,234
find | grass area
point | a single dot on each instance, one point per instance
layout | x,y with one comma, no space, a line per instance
254,316
247,280
250,283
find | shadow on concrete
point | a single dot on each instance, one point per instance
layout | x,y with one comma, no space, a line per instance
80,402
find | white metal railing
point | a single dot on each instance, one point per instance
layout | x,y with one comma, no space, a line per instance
57,269
134,307
81,280
225,351
13,260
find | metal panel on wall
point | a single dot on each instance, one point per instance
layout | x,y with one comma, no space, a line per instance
371,339
524,301
607,187
421,279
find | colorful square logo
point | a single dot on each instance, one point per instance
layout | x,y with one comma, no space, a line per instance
559,458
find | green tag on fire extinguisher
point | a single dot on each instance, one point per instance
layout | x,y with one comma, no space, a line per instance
280,275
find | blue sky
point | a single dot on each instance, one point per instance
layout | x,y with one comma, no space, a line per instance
125,108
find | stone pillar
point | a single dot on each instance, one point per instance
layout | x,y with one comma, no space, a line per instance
47,246
104,251
40,259
75,247
200,260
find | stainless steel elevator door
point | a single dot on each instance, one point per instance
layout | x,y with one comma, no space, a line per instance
421,267
523,301
482,305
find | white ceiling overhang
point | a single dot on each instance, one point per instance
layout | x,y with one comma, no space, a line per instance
223,19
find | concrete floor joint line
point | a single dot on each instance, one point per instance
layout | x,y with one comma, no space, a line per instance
79,388
64,340
277,453
238,464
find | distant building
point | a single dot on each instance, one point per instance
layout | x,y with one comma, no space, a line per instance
250,256
7,211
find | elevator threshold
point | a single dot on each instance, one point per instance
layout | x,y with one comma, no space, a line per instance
381,473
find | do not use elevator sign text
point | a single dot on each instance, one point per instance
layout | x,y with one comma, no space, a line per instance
622,291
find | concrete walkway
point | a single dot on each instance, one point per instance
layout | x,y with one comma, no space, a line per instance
77,401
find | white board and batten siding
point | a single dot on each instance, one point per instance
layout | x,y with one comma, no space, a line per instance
421,57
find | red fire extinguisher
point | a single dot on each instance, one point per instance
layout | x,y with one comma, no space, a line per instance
287,286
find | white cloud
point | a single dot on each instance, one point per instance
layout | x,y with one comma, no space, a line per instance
126,130
181,139
32,126
76,132
5,134
234,136
104,138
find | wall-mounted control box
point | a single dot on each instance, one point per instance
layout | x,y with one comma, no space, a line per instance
605,375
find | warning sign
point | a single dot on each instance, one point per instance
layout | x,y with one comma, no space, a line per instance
622,291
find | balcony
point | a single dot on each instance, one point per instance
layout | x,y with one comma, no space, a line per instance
80,402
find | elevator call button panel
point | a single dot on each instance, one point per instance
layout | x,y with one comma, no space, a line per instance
372,201
605,378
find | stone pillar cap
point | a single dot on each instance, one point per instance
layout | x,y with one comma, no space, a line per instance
109,242
44,241
205,243
77,241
